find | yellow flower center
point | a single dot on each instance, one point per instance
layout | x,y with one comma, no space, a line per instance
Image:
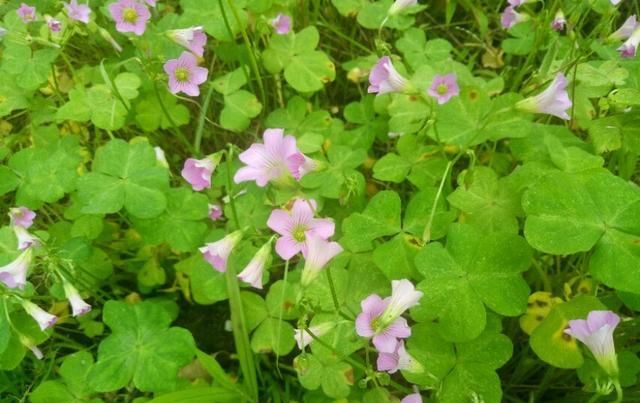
442,89
129,15
298,233
182,74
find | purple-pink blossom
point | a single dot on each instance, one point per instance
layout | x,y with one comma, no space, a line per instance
626,29
553,101
14,274
152,3
596,332
444,87
198,172
412,398
318,253
78,12
21,217
296,225
217,253
303,337
630,47
26,13
400,5
384,78
398,360
278,159
516,3
215,212
45,319
559,21
185,75
78,305
282,24
252,273
130,16
384,335
511,17
25,239
193,39
53,24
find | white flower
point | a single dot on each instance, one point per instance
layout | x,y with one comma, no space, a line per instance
400,5
25,239
319,252
217,253
14,274
303,338
78,305
45,319
252,274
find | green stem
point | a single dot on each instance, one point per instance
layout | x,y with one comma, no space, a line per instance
426,235
332,288
284,289
174,127
230,186
250,50
619,391
238,322
203,114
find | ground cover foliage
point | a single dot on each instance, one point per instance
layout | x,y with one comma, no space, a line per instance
315,201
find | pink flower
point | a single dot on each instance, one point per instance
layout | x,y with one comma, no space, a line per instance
443,88
217,253
559,21
626,29
299,165
516,3
193,39
45,319
21,217
597,334
185,75
78,305
630,47
198,172
553,101
14,274
78,12
252,274
303,338
130,16
282,24
398,360
400,5
511,17
385,335
26,13
319,253
275,160
53,24
215,212
25,239
412,398
295,227
384,78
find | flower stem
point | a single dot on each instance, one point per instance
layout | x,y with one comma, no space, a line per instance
619,391
230,187
197,141
284,289
332,288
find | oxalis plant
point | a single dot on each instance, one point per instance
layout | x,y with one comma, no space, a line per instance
319,201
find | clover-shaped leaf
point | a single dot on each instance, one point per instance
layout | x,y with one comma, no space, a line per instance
141,348
569,213
473,271
124,175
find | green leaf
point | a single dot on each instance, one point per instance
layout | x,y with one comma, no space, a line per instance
181,224
380,218
335,377
142,348
309,71
8,180
209,14
273,336
391,168
487,202
12,97
550,342
239,108
419,52
207,285
77,109
124,175
199,394
230,82
574,213
472,272
29,68
150,116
